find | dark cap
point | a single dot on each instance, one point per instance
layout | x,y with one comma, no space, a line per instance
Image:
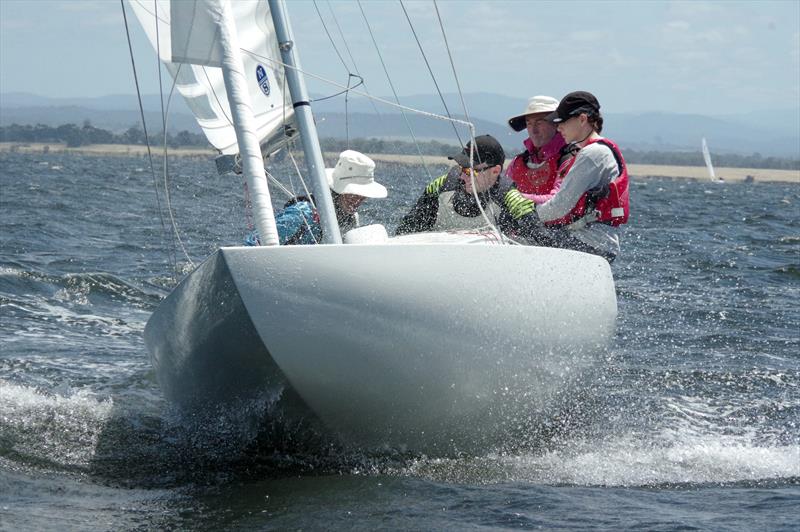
573,104
487,151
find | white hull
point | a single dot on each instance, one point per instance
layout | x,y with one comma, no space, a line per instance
425,347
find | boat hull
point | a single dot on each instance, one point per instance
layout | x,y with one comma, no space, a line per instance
430,348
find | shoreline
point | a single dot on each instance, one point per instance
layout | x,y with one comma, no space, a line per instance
760,175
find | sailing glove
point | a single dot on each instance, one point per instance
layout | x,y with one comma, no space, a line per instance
517,204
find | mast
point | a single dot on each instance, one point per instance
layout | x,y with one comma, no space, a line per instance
305,123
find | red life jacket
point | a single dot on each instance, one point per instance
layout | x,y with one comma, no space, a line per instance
608,204
538,180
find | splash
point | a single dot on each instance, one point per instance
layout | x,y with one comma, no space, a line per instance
50,430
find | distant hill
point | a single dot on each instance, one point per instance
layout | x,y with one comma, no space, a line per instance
773,133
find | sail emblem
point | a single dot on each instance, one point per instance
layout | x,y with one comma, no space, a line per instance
263,80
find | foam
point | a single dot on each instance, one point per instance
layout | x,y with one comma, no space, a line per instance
626,462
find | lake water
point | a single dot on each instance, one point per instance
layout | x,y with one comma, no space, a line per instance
692,424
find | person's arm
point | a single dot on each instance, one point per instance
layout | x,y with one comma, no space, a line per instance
539,199
294,221
422,216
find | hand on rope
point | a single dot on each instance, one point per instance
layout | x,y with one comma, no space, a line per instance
517,204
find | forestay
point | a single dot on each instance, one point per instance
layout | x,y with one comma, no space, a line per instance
185,34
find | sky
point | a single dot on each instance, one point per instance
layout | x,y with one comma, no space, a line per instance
703,57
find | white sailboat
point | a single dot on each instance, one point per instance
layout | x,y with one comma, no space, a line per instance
429,342
707,159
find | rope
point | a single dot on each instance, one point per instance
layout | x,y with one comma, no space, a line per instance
430,71
170,251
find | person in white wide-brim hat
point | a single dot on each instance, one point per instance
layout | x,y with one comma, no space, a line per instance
352,180
534,170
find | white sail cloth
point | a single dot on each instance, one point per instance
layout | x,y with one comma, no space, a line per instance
707,159
187,39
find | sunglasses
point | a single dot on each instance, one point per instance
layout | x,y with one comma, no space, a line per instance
469,171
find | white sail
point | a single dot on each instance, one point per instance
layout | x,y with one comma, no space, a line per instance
189,48
707,159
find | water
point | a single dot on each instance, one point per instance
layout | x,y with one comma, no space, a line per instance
694,422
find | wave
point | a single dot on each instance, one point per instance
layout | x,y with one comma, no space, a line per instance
50,431
81,286
626,461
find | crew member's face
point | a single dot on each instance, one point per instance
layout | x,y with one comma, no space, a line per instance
573,128
484,177
540,130
349,203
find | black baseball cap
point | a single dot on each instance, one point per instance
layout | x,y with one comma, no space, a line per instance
487,150
573,104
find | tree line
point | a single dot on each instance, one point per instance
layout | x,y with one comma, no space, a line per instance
74,135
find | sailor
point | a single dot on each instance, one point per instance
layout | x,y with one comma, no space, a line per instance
352,180
534,170
590,197
448,202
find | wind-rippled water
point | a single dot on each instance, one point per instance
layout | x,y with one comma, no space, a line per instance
692,423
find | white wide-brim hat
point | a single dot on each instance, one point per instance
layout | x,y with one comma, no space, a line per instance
354,173
536,104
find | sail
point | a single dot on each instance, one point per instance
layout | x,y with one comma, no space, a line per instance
187,41
707,159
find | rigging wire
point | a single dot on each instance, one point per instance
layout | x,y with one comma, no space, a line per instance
297,168
174,235
430,71
349,75
170,251
466,115
167,195
360,82
365,95
452,63
349,53
394,91
216,97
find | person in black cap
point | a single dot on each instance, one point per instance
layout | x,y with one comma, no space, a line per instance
449,203
590,199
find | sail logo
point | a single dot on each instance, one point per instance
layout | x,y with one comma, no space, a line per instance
263,80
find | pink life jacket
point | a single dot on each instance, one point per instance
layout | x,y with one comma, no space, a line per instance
539,179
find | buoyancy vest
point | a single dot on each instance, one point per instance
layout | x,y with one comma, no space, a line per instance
607,204
532,177
448,219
